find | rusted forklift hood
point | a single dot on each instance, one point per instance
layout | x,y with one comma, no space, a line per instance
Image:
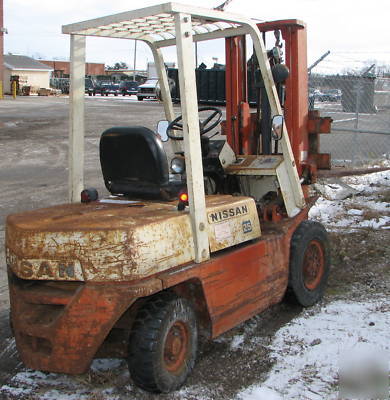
103,241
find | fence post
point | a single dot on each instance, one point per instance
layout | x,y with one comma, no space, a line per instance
357,109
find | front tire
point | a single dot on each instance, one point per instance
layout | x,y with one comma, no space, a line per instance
140,98
163,343
309,263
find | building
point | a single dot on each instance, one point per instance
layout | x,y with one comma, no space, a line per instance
62,68
29,72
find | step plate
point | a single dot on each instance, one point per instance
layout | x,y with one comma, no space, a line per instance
255,165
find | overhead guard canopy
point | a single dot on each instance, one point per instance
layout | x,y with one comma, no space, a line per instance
166,25
156,24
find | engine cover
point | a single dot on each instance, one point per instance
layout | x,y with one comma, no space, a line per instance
119,242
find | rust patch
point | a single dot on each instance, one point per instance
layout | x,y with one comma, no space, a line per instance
243,281
59,327
111,242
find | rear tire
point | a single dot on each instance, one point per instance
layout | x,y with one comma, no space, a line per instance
309,263
163,343
140,98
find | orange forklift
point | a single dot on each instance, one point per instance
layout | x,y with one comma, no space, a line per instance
198,245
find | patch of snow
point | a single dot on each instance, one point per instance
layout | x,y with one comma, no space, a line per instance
345,223
106,364
364,189
108,391
326,210
191,393
353,211
376,223
15,391
335,191
11,124
36,378
377,178
60,395
375,205
259,393
308,349
237,341
53,386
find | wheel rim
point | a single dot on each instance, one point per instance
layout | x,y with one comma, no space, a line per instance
313,265
176,345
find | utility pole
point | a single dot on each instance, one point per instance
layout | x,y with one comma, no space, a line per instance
368,70
317,62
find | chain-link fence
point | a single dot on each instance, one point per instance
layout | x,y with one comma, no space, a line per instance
360,108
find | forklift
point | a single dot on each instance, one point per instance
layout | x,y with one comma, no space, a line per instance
175,251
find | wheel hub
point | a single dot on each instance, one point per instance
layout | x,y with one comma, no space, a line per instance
313,265
176,346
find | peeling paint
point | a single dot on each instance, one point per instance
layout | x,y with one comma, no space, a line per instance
116,242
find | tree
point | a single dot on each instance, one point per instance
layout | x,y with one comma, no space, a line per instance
383,70
117,65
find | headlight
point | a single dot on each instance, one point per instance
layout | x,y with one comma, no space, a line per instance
178,165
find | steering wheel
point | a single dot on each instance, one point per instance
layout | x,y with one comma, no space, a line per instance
204,126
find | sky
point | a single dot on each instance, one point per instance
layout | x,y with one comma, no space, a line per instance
355,31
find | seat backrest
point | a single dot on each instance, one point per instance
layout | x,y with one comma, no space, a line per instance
132,157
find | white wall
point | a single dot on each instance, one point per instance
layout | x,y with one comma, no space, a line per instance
6,81
39,79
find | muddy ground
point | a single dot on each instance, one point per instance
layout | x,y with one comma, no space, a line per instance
33,173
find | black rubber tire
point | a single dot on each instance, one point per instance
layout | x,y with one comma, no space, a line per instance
147,352
140,98
308,233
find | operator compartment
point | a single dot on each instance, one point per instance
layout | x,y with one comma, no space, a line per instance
136,232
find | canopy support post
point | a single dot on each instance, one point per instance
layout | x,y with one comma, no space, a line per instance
76,117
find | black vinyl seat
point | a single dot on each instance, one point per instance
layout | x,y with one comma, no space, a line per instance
134,164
